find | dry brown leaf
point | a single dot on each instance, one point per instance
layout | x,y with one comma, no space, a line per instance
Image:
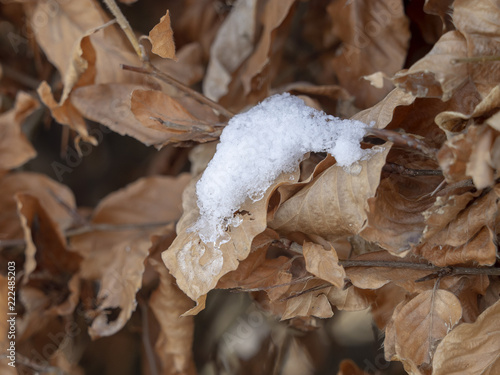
445,209
48,192
232,45
324,264
441,8
197,266
469,290
384,303
50,285
478,23
333,204
349,367
422,322
182,119
109,104
162,38
14,146
382,113
253,79
434,76
453,122
467,238
480,250
95,58
350,299
471,154
115,257
65,113
257,272
174,344
375,37
471,348
309,304
395,215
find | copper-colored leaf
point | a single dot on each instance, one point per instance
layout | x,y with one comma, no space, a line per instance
349,367
51,280
162,38
434,76
14,146
49,193
422,322
197,266
232,45
334,203
175,340
159,111
324,264
109,104
473,348
479,26
115,256
374,36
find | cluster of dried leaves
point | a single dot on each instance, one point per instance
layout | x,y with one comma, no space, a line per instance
412,236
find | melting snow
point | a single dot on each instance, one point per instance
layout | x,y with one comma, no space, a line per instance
257,146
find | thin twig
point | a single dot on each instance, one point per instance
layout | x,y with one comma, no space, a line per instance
475,59
122,21
451,271
154,72
406,140
103,227
113,227
399,169
19,77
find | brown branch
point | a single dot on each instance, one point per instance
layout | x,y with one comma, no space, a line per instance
475,59
399,169
450,270
405,140
113,227
154,72
101,227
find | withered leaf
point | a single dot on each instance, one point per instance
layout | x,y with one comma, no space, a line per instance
422,322
374,37
232,45
114,256
109,104
48,192
49,266
479,26
349,367
334,203
159,111
324,264
434,76
162,38
471,346
14,146
197,266
175,340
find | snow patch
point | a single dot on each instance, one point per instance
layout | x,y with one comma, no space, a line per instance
260,144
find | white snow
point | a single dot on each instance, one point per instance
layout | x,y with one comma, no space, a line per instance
257,146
